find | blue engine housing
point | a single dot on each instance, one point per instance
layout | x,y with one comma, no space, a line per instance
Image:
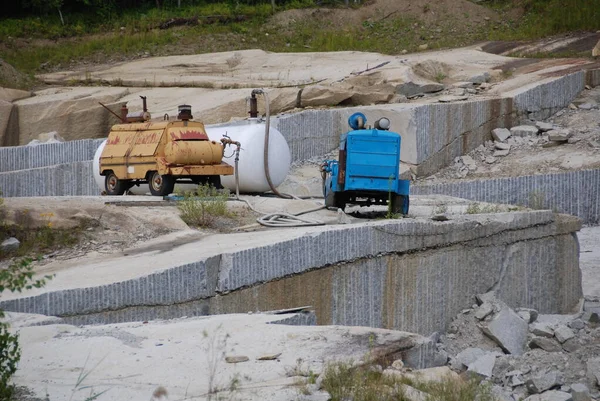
368,170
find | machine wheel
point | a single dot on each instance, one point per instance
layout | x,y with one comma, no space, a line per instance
339,201
400,204
160,185
115,186
215,181
333,199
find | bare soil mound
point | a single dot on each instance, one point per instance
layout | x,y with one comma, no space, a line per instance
427,11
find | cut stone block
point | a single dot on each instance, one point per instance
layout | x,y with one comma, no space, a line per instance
509,331
524,130
563,333
542,330
547,344
484,365
545,382
501,134
550,396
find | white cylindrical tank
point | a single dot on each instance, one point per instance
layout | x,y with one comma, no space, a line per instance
96,166
251,135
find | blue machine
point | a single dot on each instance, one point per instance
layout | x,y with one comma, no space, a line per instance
368,170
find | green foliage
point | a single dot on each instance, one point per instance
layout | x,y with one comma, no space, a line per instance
16,277
548,17
19,276
10,354
203,208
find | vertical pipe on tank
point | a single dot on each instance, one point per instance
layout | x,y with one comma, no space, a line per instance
266,145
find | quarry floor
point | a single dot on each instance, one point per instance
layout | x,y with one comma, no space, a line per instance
133,360
126,238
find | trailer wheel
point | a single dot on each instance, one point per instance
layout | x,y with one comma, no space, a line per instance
113,185
400,204
161,185
333,199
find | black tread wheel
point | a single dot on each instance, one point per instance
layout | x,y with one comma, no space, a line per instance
215,181
339,200
113,185
160,185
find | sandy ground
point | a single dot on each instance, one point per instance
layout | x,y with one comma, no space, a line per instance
131,360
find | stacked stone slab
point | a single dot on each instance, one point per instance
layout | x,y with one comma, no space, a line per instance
411,275
55,169
576,192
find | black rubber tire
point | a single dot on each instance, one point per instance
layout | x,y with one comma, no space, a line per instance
215,181
160,185
400,204
115,186
328,193
339,200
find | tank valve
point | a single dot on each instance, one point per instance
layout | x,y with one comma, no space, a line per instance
185,112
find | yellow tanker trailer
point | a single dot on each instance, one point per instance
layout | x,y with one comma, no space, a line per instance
160,154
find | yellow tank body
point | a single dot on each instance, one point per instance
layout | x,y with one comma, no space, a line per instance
175,148
193,152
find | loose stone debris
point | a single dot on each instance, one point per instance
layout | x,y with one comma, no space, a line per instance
569,140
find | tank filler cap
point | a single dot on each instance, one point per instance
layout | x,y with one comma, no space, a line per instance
185,112
357,121
382,124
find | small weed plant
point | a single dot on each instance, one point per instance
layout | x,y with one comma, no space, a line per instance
478,208
215,347
537,200
203,208
440,208
363,383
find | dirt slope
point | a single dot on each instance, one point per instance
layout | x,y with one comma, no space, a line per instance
430,12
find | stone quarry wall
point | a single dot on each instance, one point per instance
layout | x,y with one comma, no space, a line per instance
576,192
432,134
411,275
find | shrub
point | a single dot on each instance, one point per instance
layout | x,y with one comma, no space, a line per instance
16,277
205,207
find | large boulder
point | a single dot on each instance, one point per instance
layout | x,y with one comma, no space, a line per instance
74,113
11,95
9,128
322,95
596,50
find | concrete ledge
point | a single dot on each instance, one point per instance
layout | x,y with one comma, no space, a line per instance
410,275
576,192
